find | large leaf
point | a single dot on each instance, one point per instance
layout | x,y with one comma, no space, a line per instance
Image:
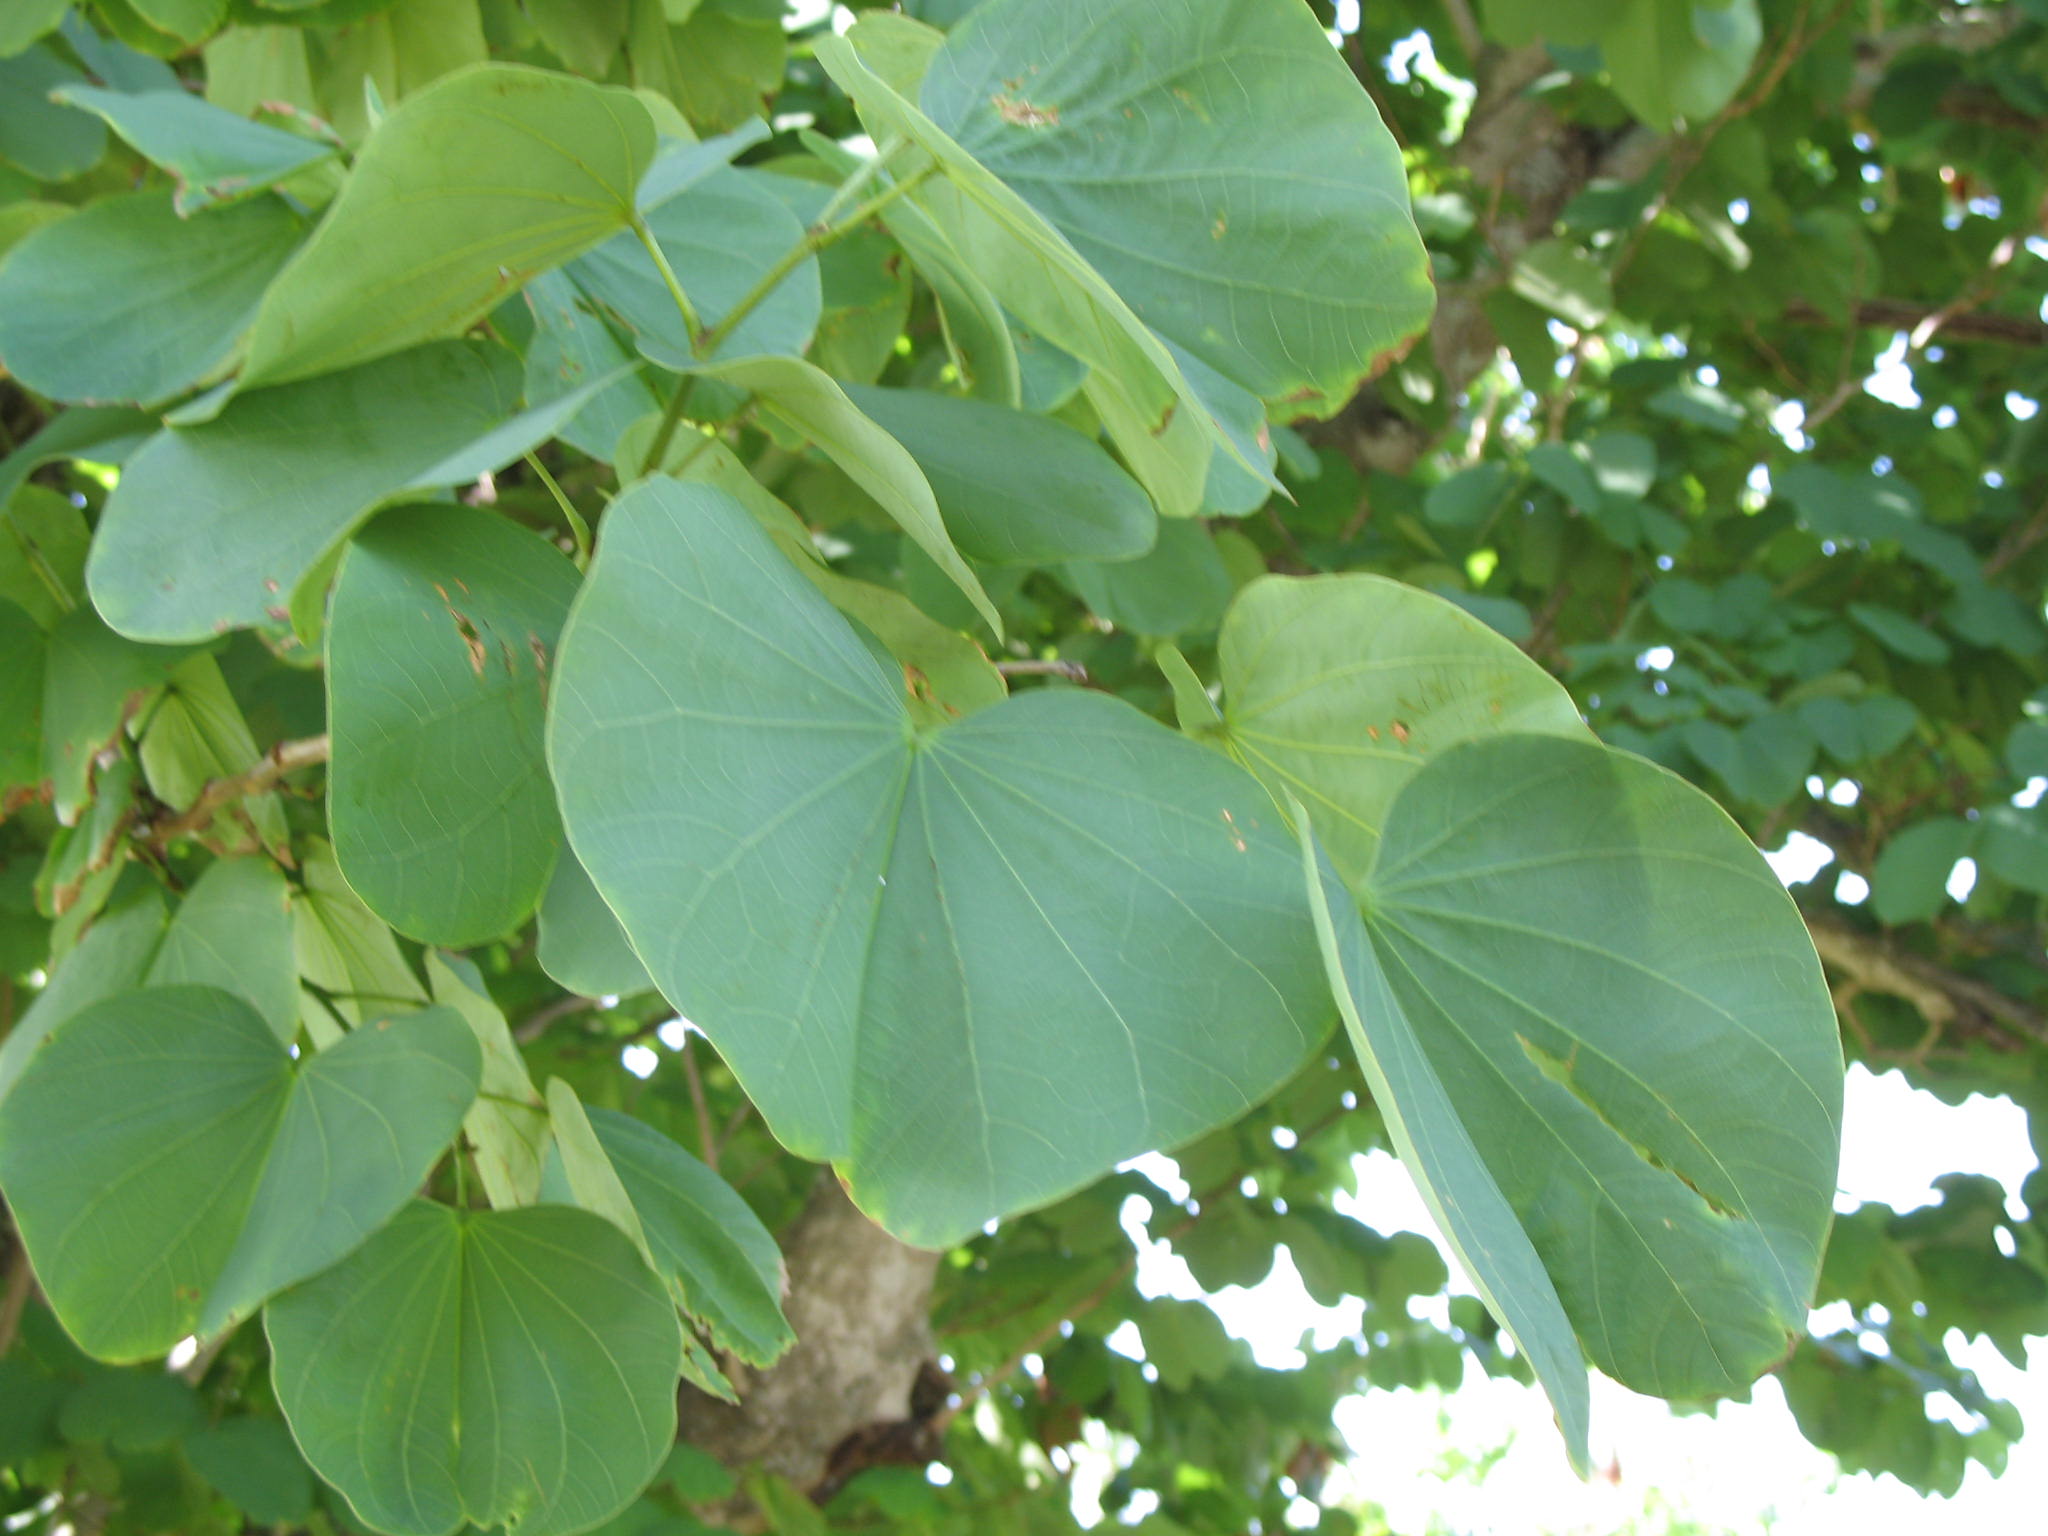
1238,189
509,1367
465,191
719,235
213,526
215,156
1338,688
1626,1012
50,141
1007,952
163,300
170,1164
1015,489
438,648
1449,1172
111,958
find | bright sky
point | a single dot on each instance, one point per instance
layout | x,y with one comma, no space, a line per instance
1747,1467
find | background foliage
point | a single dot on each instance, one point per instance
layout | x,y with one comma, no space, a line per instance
1671,242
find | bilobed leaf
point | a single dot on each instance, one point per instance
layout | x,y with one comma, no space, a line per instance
164,299
813,406
233,931
1680,58
581,944
1450,1174
719,235
481,181
946,673
214,155
506,1367
1338,688
212,526
439,644
923,917
2013,845
507,1127
1625,1010
1015,489
170,1165
1910,880
107,434
1278,246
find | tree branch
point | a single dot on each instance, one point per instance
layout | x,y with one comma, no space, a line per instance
1904,315
286,757
1945,997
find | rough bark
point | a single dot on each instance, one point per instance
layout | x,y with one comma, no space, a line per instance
859,1301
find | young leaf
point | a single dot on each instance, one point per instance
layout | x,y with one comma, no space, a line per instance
501,1367
170,1165
467,189
508,1125
341,948
439,645
926,917
214,156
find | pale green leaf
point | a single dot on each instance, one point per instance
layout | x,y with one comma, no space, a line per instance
91,682
341,948
466,190
923,917
233,931
197,734
507,1127
582,945
215,156
111,958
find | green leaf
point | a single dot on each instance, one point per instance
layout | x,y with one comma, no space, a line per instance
1624,1007
583,34
466,190
946,673
1859,730
507,1127
214,156
719,235
1679,59
924,917
1764,762
1558,276
1338,688
1900,635
582,945
21,698
25,21
233,931
43,544
1468,498
1450,1174
1015,489
2013,845
111,958
812,406
439,643
1181,587
107,434
212,526
50,141
187,20
508,1367
1910,882
93,679
197,734
256,1465
163,299
708,1244
571,347
170,1165
343,950
1278,245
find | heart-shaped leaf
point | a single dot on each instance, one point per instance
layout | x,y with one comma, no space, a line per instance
1008,952
512,1368
171,1165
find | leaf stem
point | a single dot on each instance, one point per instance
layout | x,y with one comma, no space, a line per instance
668,274
671,418
817,238
578,528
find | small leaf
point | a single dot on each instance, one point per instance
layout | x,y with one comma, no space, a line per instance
50,141
215,156
1179,587
582,945
1900,635
503,1367
1910,882
508,1125
341,948
92,680
439,646
481,181
170,1165
256,1465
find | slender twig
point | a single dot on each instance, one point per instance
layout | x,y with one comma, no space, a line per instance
579,530
815,239
671,418
1072,671
702,1110
535,1024
286,757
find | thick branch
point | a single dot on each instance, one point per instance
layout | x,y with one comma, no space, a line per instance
1945,998
286,757
1903,315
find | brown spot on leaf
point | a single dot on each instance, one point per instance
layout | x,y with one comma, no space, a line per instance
1236,837
1016,110
1400,731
